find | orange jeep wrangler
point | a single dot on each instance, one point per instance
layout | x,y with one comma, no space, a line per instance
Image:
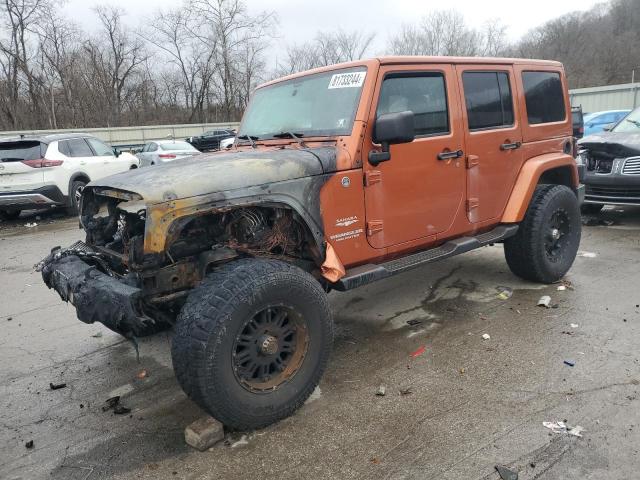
339,176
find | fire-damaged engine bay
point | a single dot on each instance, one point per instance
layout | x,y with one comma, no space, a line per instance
115,223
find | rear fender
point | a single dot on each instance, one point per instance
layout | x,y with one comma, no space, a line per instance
556,168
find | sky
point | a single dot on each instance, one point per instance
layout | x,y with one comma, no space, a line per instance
300,20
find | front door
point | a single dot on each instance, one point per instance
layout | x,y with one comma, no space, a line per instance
416,194
493,139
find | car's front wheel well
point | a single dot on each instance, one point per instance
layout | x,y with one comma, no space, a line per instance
558,176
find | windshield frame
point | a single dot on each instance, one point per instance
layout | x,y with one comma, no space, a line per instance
334,69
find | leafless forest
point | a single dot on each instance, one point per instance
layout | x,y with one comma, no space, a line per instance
200,61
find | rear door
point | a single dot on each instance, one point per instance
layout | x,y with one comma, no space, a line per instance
19,167
493,138
79,150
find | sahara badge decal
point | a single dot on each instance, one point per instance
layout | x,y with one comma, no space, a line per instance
346,221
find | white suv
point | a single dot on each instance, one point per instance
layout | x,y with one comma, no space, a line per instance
52,170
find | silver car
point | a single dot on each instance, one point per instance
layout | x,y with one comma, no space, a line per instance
163,151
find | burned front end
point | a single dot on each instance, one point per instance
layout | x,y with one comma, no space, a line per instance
139,262
612,168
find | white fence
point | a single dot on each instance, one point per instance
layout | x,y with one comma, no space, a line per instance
611,97
131,136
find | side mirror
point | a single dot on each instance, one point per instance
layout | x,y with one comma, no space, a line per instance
116,152
389,129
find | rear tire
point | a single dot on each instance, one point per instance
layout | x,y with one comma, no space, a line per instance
591,208
252,342
74,197
9,214
547,241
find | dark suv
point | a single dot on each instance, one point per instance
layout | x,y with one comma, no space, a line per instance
612,165
211,140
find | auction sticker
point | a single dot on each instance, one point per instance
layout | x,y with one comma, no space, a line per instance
347,80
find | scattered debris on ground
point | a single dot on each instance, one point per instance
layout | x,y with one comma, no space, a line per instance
506,473
204,433
570,363
544,301
561,288
574,325
97,335
142,374
114,404
405,391
414,322
31,225
562,427
29,445
597,222
381,391
9,319
57,386
418,352
587,254
504,293
486,336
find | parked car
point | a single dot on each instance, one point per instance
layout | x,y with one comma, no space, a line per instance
227,143
51,170
163,151
577,120
211,140
598,121
612,165
385,165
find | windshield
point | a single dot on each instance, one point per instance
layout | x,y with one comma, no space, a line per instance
630,123
323,104
177,146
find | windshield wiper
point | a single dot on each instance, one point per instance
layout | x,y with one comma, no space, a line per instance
251,138
295,135
635,122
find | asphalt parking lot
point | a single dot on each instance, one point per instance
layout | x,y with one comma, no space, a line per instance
466,405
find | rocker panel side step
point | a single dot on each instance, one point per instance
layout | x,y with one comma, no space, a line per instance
368,273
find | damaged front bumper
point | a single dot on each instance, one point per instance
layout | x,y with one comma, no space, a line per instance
77,274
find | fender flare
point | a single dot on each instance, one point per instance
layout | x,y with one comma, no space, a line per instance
529,177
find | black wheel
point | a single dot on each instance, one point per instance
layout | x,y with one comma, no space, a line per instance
252,342
75,192
9,214
591,208
547,241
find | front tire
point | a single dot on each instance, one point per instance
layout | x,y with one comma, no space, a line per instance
547,241
252,342
9,214
75,192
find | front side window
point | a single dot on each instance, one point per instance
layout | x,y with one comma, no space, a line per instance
544,97
100,148
424,94
322,104
79,148
488,99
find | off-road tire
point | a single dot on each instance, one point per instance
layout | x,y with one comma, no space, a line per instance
591,208
214,315
527,253
9,215
73,206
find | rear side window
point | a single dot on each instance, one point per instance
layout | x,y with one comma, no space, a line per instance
22,150
488,99
544,97
77,147
422,93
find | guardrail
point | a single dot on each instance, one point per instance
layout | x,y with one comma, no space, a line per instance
134,136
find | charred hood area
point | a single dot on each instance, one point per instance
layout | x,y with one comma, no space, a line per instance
601,150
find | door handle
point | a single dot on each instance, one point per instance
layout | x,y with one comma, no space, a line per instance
450,155
510,146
